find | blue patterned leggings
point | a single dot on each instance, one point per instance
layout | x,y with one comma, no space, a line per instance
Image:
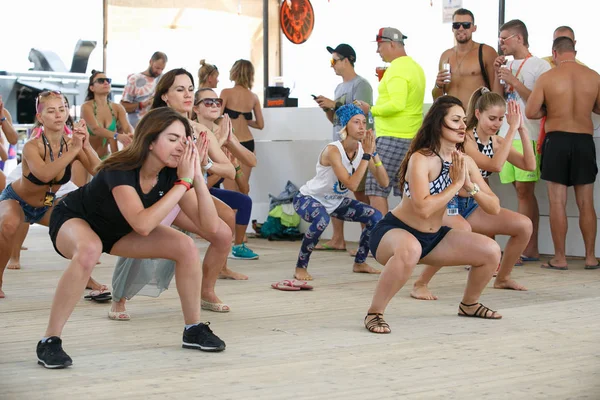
314,212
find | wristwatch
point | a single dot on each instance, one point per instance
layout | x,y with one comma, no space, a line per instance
366,156
474,191
2,119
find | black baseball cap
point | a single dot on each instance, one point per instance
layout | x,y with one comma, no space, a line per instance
344,50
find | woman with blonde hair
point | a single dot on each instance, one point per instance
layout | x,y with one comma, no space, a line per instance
208,75
47,164
239,102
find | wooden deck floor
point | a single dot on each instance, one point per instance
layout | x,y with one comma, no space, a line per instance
309,345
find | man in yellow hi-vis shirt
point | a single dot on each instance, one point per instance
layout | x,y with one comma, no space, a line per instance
398,112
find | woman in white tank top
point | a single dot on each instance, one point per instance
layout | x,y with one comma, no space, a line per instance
340,168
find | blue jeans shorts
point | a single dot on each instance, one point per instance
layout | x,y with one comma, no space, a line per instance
32,214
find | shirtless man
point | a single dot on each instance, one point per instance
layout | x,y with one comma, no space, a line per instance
567,95
466,74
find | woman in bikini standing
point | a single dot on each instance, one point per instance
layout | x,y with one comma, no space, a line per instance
47,160
103,119
239,103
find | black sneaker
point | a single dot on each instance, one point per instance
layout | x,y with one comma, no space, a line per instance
201,337
51,354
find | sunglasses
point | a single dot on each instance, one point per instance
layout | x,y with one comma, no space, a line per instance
103,80
335,60
210,102
465,25
502,40
46,93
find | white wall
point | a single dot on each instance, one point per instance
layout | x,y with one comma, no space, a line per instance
306,67
288,147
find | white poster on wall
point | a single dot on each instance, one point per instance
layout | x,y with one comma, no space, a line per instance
448,9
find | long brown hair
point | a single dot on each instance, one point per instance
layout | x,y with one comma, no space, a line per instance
90,94
482,99
165,83
146,132
427,139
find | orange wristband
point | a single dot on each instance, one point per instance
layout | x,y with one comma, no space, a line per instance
184,183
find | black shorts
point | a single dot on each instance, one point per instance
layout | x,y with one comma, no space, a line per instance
62,214
569,158
428,241
249,144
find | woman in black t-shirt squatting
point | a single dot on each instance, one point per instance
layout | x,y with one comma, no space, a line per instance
119,212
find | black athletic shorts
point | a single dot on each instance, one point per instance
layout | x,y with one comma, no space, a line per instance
63,213
569,158
428,240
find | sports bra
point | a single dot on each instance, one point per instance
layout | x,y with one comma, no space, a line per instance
235,114
485,149
440,183
67,175
113,125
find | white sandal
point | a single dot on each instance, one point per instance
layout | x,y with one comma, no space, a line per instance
216,307
119,315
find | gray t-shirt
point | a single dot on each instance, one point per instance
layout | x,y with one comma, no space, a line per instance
346,92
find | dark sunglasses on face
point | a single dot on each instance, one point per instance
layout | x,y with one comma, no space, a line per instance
102,80
210,102
334,61
465,25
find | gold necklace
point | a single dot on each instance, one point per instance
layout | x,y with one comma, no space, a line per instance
458,64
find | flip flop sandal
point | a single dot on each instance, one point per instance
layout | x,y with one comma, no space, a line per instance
554,267
529,259
597,266
285,285
301,284
325,247
100,297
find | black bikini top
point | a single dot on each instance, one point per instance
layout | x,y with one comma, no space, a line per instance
67,175
235,114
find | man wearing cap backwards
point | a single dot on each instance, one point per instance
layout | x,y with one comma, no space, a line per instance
353,87
471,63
398,112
